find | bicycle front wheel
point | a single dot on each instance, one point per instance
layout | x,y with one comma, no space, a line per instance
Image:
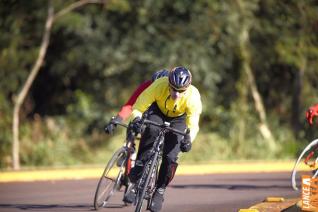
309,157
149,173
111,179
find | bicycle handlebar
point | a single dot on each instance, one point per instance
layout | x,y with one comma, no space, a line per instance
147,121
120,124
164,126
123,125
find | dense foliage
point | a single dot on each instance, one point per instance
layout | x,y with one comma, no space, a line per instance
98,54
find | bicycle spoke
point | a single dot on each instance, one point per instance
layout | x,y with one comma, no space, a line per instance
110,181
102,194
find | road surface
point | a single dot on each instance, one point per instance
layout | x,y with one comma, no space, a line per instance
199,193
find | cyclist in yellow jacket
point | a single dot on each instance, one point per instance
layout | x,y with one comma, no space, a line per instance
175,100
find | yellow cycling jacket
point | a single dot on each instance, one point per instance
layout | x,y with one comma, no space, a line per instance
189,103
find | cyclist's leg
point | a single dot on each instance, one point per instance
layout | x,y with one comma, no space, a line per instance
146,141
169,162
170,152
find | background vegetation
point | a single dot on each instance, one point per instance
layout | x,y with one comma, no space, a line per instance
254,62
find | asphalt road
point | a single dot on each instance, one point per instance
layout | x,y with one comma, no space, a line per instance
216,192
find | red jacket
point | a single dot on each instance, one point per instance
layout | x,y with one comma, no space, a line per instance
126,109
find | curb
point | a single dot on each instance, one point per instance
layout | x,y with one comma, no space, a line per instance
183,169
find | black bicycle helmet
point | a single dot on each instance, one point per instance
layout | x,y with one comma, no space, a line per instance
159,74
180,78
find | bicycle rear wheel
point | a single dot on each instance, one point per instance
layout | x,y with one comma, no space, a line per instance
111,179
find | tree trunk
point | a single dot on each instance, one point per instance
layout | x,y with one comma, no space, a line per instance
259,106
19,99
25,89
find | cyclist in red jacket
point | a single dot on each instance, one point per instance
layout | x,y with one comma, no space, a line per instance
126,109
311,113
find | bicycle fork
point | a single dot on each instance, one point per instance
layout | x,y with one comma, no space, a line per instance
148,180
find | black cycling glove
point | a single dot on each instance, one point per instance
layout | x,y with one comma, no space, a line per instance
186,144
136,125
111,126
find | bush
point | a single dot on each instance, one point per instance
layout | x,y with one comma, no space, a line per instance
6,132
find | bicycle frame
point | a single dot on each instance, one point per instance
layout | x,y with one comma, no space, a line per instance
146,184
155,155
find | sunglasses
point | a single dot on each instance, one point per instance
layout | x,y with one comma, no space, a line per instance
178,91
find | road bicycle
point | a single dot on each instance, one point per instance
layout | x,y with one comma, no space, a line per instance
115,175
146,185
309,156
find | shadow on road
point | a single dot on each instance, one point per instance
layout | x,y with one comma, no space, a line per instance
229,187
86,207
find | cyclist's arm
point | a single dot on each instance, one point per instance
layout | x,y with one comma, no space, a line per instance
194,110
126,109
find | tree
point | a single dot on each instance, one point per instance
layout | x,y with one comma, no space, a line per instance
245,56
300,51
18,101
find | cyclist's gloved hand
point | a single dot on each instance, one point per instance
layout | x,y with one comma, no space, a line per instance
186,144
136,125
110,127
